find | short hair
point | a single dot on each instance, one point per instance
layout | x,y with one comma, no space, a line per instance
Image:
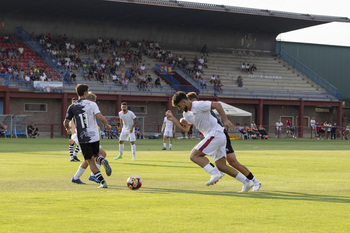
177,97
81,89
124,103
192,95
91,96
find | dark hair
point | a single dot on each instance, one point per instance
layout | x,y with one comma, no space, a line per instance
192,95
124,103
81,89
177,97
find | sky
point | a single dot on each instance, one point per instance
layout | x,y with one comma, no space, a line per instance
330,34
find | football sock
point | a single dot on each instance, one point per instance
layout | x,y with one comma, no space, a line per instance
77,149
133,150
71,150
164,144
242,178
121,149
250,176
99,159
98,167
170,145
210,169
255,180
99,176
79,173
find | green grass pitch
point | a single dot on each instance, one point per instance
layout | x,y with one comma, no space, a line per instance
306,188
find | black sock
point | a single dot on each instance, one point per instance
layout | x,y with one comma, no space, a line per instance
250,176
99,176
99,159
212,164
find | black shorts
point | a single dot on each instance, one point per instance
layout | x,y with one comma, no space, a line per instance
90,150
229,148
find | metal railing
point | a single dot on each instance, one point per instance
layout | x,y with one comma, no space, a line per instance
308,72
42,52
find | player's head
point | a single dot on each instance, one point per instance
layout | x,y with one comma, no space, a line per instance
81,89
124,107
192,96
91,96
180,101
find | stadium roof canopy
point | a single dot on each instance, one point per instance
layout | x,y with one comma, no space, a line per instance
167,14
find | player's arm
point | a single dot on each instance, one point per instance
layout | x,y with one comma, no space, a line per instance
66,125
103,121
218,107
182,126
134,125
163,126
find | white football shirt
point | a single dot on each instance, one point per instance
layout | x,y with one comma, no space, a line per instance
199,115
128,119
169,126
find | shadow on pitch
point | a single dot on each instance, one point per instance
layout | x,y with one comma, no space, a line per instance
261,195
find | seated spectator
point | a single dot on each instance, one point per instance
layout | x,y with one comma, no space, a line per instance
253,68
125,83
157,82
30,130
212,79
31,63
243,67
202,83
239,81
73,77
263,132
35,132
204,50
3,130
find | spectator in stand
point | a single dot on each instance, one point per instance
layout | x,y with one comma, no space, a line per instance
125,83
30,63
328,127
157,82
202,83
212,79
205,50
253,68
247,67
21,51
142,69
239,81
243,67
42,77
73,77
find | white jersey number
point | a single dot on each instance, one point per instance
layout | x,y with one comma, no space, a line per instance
84,120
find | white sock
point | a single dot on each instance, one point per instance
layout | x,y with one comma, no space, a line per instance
133,150
170,145
255,180
242,178
98,166
210,169
121,149
79,173
164,144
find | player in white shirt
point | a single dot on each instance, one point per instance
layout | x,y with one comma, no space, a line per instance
128,121
214,142
168,131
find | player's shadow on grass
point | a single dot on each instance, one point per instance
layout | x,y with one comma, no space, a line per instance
261,195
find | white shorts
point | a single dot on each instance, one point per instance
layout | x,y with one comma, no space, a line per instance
127,136
75,139
168,133
213,145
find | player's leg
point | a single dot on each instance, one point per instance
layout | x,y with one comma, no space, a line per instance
164,141
170,142
199,158
132,137
80,172
71,149
102,153
232,160
123,137
77,149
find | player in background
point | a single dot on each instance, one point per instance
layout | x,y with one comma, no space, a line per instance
128,121
230,153
84,164
73,156
214,142
168,131
84,113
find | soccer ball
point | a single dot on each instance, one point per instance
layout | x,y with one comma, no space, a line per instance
134,182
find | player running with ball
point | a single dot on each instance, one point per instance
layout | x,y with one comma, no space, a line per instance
214,142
